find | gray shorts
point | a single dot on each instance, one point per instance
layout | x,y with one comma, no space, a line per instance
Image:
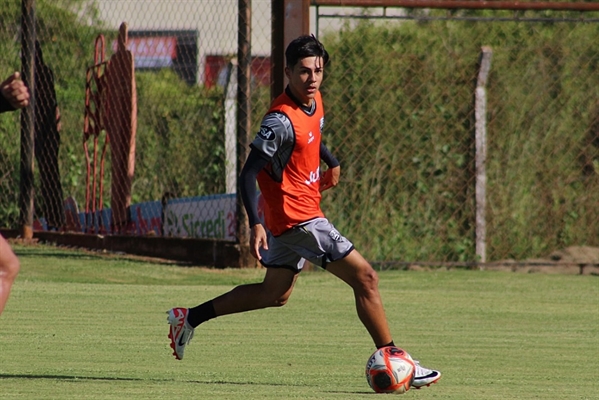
316,241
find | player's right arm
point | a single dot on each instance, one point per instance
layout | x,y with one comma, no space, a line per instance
247,186
273,132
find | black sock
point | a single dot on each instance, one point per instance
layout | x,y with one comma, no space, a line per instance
200,314
380,347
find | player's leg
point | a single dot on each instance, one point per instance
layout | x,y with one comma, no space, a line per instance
324,245
318,241
363,279
282,264
358,273
9,268
273,291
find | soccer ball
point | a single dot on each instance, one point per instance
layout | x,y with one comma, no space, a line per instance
390,370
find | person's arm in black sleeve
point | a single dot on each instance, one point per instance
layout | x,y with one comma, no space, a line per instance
330,177
5,105
247,184
326,156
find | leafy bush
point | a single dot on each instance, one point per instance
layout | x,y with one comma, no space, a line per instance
399,104
180,126
179,143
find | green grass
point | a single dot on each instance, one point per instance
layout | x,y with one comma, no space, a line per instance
88,326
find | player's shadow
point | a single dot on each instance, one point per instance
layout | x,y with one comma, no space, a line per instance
125,379
117,378
67,377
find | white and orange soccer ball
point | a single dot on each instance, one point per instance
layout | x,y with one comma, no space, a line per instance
390,370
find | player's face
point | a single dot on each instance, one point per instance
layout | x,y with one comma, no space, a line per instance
305,78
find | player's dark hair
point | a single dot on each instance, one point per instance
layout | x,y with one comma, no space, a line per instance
305,46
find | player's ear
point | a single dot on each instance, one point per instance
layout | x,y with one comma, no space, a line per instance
288,72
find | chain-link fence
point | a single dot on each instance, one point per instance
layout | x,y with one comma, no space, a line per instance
401,116
135,139
400,100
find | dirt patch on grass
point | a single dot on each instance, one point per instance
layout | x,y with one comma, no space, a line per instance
573,260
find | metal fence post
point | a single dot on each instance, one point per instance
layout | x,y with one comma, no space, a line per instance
27,119
480,157
243,120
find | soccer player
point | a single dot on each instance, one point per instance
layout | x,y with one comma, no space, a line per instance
13,95
285,160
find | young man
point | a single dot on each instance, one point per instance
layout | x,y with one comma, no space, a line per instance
13,95
285,160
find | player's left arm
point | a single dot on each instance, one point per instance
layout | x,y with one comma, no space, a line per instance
330,177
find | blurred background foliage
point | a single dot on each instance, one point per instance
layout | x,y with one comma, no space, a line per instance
399,116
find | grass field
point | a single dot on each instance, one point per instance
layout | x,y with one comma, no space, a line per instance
81,325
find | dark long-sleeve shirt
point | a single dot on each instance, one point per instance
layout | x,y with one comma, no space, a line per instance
5,105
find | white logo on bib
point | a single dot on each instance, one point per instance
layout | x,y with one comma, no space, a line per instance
314,177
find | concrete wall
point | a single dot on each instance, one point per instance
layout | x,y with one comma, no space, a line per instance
214,20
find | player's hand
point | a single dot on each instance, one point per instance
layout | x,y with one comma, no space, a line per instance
258,239
14,90
330,178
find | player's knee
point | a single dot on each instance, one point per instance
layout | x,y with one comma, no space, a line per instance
280,301
10,268
271,297
369,281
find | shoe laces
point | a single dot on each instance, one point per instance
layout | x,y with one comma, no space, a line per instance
420,370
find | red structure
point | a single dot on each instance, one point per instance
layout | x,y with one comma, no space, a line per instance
110,107
121,126
93,126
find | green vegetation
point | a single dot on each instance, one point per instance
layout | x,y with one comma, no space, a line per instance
179,142
182,126
82,325
398,98
67,42
400,118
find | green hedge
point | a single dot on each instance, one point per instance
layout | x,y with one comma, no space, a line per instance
398,100
400,117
